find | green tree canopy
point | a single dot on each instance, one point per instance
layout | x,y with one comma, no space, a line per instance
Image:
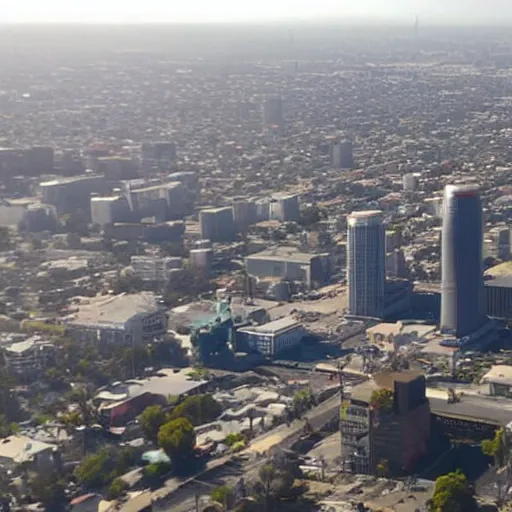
452,493
116,489
102,468
222,495
198,409
177,438
151,420
48,488
382,399
495,447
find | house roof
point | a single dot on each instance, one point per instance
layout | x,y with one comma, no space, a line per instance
22,449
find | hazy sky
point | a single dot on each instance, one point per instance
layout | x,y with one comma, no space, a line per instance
229,10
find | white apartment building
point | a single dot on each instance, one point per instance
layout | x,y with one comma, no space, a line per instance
149,268
28,358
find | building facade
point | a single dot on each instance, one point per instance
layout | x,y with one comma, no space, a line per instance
290,263
366,264
462,283
148,268
391,436
69,195
272,338
285,208
28,358
217,224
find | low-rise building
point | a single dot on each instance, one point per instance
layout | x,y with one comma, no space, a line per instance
20,450
123,318
499,378
271,338
122,402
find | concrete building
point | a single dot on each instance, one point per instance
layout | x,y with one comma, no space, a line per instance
28,359
285,207
39,217
290,263
202,259
409,182
154,269
165,201
124,319
342,155
462,284
217,224
108,210
272,338
366,264
393,432
244,213
498,291
499,378
70,195
500,238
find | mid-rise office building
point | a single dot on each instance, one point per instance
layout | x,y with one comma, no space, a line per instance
28,358
366,264
285,207
164,201
390,427
217,224
244,213
108,210
342,155
409,182
70,195
462,283
500,239
154,269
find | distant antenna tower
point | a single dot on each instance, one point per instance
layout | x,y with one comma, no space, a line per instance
416,26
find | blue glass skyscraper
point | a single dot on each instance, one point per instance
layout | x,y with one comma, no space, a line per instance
462,284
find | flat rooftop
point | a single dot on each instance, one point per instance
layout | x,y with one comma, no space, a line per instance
71,179
113,311
168,185
166,382
291,254
499,275
274,327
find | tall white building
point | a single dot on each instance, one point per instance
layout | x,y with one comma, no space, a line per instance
366,263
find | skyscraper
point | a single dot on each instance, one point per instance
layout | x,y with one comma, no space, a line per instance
462,285
366,264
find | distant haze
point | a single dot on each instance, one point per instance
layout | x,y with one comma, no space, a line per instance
135,11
